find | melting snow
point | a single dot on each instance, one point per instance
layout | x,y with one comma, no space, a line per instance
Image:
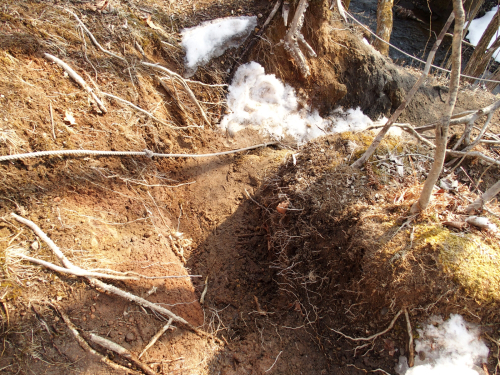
210,39
262,102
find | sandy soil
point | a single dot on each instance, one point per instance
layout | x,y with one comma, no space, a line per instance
211,221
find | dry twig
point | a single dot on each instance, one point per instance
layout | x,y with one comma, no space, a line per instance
156,337
110,345
78,79
85,346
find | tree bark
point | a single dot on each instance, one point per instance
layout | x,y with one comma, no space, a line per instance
371,149
482,46
384,25
442,127
484,60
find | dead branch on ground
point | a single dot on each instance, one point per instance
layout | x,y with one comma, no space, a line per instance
157,336
103,286
93,39
78,79
485,197
114,347
85,346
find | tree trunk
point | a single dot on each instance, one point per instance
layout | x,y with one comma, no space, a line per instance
384,25
442,127
430,58
482,46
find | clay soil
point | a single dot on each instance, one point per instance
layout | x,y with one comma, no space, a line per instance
212,221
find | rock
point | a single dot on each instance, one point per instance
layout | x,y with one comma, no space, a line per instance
129,337
35,246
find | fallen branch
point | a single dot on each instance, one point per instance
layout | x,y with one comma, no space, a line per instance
77,79
157,336
93,39
85,346
106,287
485,197
372,337
411,350
182,81
110,345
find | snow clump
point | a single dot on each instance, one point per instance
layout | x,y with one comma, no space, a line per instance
261,101
450,347
211,39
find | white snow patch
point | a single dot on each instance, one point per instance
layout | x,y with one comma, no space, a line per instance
211,38
450,347
365,41
478,27
261,101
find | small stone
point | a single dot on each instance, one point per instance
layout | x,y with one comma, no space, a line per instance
259,15
35,246
84,318
92,308
92,316
148,234
129,337
57,199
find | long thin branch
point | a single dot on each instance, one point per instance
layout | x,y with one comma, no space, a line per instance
139,109
156,337
92,38
183,83
430,58
372,337
485,197
106,287
86,346
473,154
77,79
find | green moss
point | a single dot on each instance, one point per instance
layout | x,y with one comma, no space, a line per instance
467,257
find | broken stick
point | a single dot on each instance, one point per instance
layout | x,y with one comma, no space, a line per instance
110,345
157,336
77,79
85,346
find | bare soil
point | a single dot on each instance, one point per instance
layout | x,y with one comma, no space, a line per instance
276,284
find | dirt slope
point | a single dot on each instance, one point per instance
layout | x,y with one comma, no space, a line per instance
202,219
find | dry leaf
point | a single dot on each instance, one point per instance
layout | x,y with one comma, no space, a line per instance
151,24
68,118
102,4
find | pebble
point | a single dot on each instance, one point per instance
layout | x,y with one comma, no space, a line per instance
35,246
129,337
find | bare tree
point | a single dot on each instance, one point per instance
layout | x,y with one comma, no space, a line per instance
384,25
443,125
